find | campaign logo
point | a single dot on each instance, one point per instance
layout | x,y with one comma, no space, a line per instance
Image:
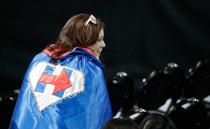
52,83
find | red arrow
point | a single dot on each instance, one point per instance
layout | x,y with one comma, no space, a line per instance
60,82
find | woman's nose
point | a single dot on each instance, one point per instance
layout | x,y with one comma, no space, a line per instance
103,44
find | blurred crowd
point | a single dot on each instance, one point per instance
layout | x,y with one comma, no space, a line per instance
168,98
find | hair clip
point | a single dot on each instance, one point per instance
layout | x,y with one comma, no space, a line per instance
91,19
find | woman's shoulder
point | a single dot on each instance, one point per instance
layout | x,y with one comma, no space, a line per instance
86,56
41,57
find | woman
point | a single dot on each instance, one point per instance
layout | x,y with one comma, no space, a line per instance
64,86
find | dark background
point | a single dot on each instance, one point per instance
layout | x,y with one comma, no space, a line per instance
140,35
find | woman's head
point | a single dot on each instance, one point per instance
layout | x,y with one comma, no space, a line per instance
99,45
82,30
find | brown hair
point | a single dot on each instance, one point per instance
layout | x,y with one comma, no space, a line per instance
75,33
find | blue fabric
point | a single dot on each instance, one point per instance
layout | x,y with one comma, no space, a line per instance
87,109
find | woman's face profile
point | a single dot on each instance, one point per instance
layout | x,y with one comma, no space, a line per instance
99,45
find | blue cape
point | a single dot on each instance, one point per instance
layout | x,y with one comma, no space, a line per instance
69,95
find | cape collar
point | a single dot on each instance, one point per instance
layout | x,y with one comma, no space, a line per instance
78,51
66,53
